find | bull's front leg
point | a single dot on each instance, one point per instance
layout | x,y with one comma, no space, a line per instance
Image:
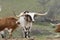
24,32
10,33
2,34
29,30
27,33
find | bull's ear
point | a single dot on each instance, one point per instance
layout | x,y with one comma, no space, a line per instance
41,14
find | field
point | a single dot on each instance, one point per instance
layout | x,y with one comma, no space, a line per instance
40,31
8,6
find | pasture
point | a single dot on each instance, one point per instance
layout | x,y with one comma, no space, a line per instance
40,31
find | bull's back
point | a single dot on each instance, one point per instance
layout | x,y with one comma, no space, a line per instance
8,23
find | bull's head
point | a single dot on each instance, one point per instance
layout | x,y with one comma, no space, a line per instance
31,14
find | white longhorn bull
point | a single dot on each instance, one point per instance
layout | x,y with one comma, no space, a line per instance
26,18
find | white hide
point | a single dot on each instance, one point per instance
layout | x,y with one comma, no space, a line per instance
22,22
26,24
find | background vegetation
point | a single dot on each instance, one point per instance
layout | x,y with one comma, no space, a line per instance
52,6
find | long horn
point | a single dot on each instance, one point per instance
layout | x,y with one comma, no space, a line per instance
21,14
42,14
15,14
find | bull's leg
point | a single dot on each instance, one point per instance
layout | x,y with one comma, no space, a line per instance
2,34
10,33
29,34
29,31
25,34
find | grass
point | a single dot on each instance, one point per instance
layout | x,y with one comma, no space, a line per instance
8,6
40,32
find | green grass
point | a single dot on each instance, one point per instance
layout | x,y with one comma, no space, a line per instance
40,32
8,6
